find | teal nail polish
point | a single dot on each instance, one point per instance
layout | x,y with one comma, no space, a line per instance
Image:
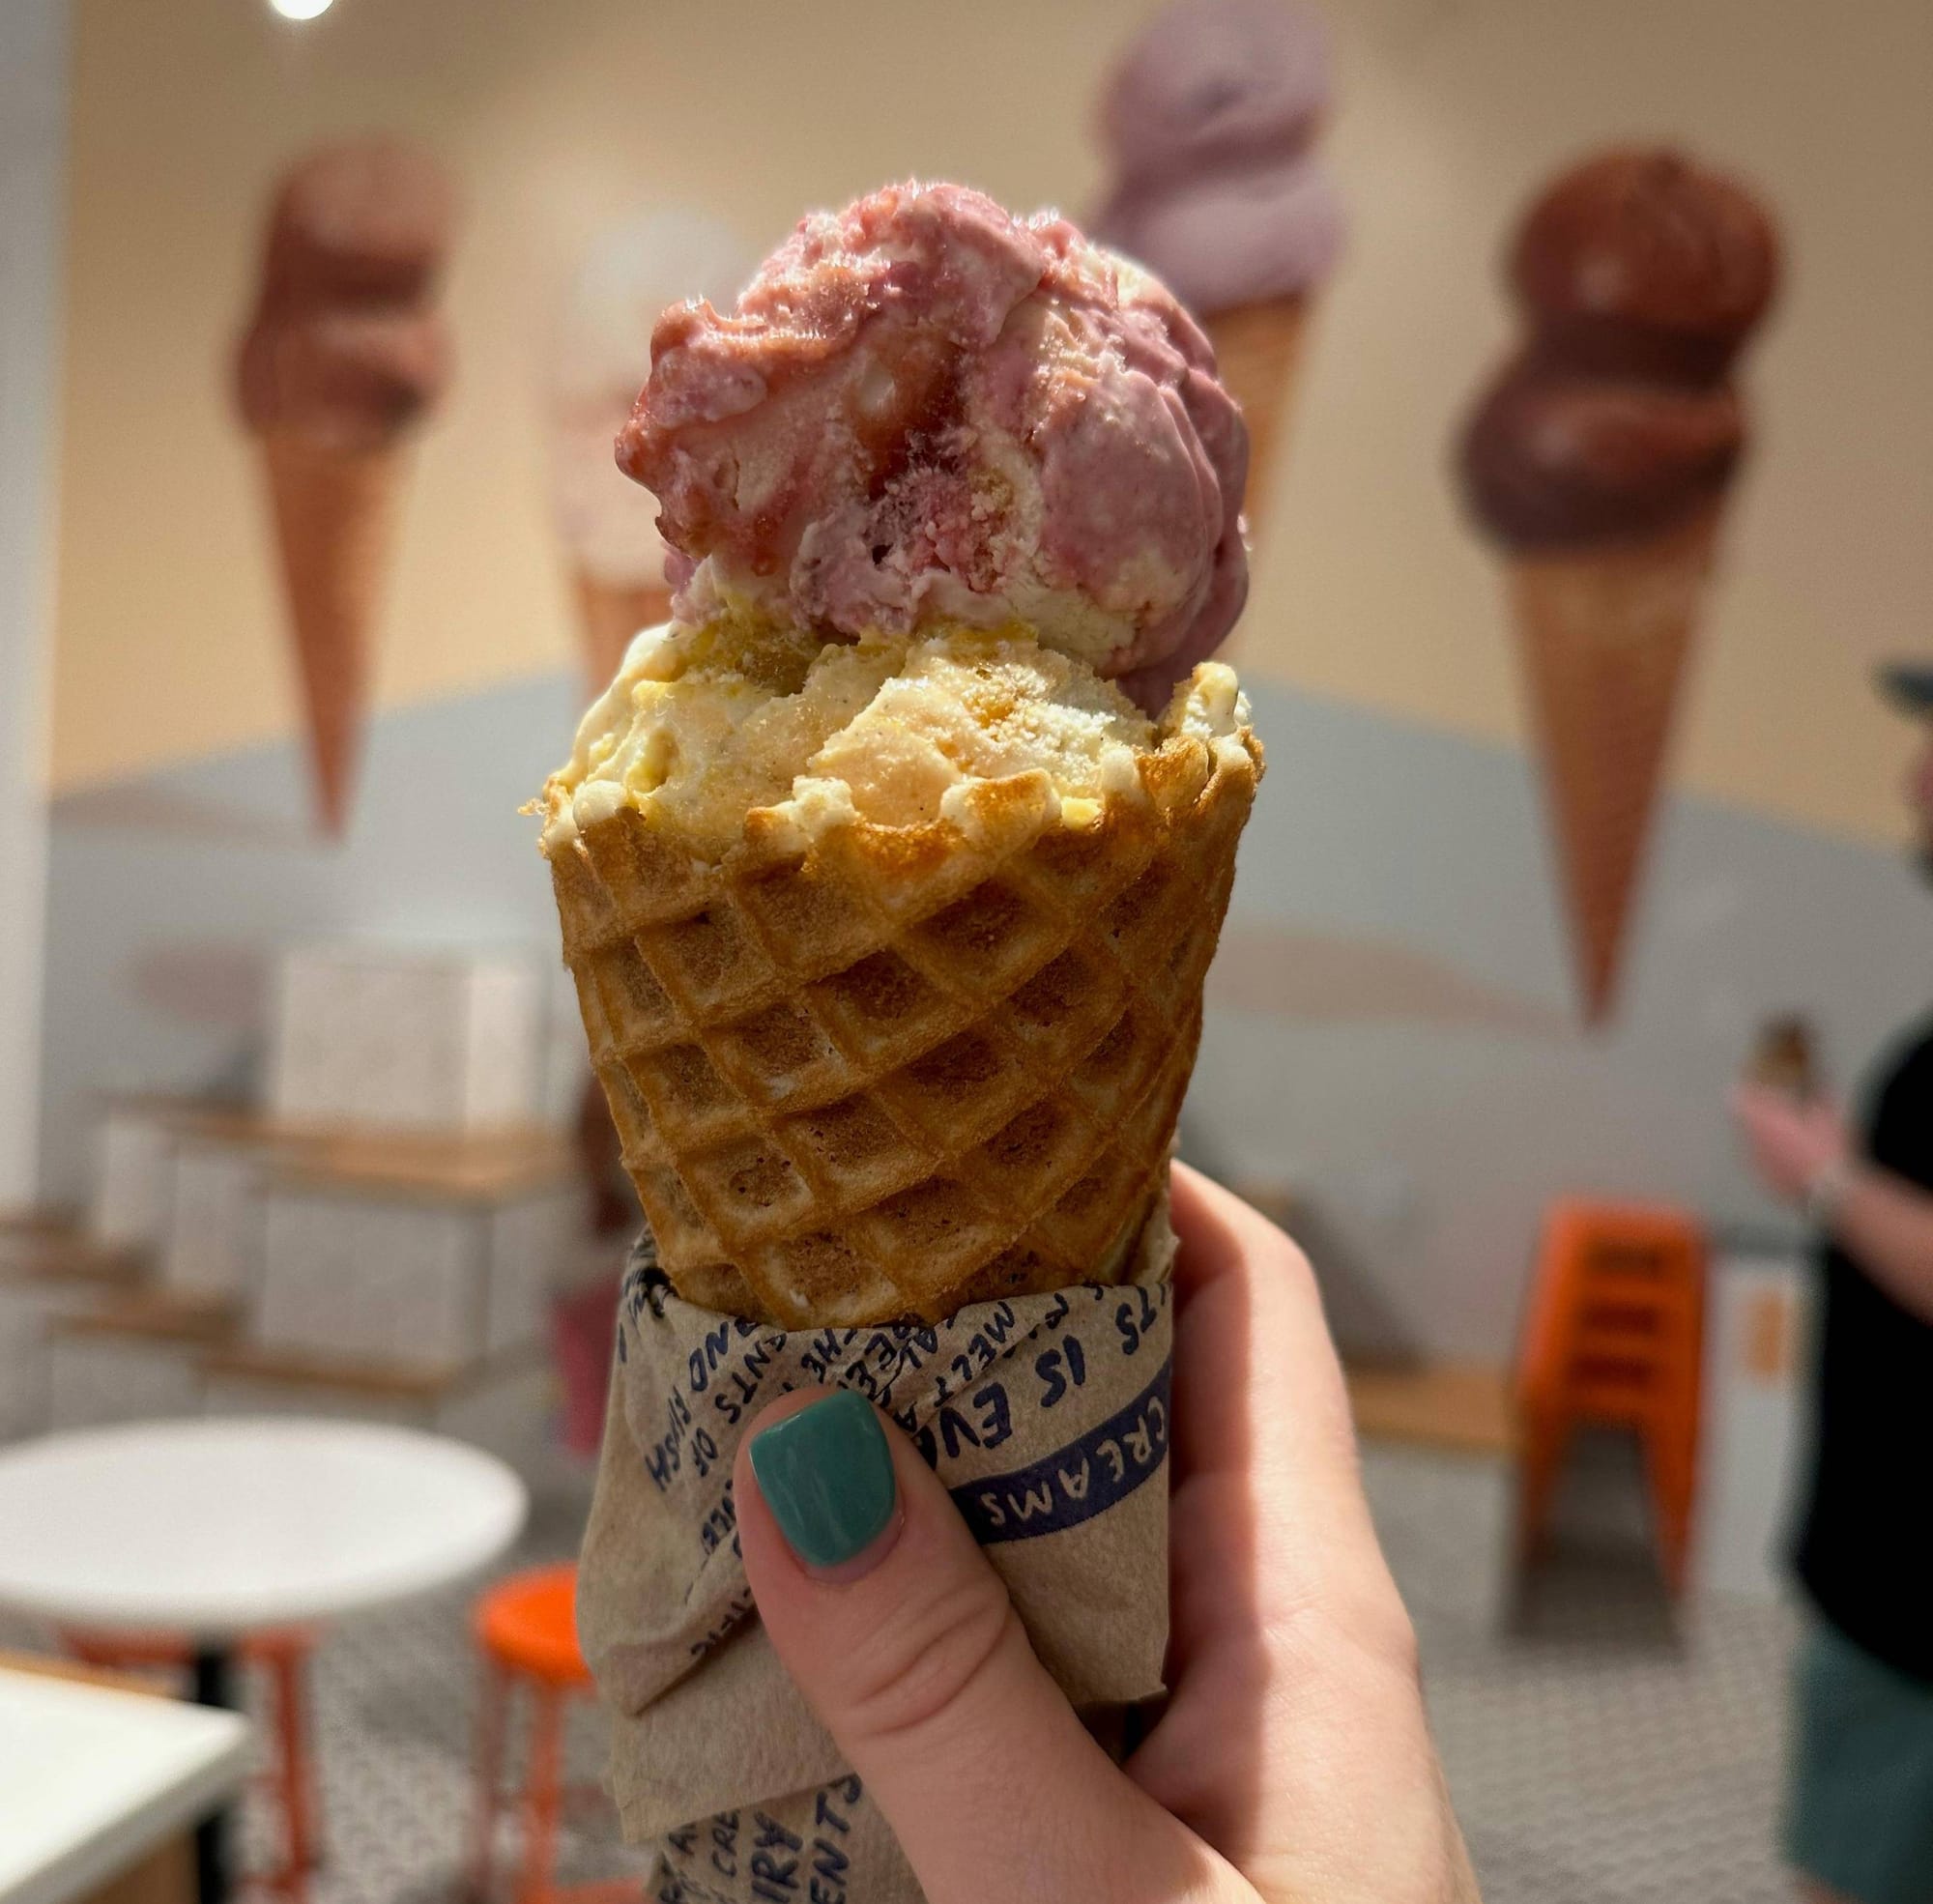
827,1476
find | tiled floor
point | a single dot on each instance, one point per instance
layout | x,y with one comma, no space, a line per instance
1599,1755
395,1698
1600,1750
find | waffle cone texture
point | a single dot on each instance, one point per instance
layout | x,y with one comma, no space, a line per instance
885,1071
1604,636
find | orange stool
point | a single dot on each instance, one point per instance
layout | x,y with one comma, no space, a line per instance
527,1630
283,1656
1614,1337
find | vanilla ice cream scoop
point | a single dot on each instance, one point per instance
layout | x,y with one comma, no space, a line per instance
923,411
703,726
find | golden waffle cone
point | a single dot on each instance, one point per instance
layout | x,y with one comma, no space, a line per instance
1257,352
1605,635
888,1072
609,613
334,510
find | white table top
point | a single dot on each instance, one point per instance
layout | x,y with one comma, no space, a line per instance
92,1779
218,1528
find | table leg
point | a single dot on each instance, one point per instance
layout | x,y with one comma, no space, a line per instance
213,1685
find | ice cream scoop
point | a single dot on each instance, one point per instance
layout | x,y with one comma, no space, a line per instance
1642,262
366,221
1214,83
923,408
351,377
345,346
1208,118
1246,235
1553,458
1641,275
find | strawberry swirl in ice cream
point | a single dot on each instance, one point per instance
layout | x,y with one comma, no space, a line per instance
924,410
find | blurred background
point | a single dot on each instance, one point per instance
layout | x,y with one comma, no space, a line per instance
292,1113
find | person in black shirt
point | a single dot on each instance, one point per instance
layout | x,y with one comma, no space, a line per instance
1859,1817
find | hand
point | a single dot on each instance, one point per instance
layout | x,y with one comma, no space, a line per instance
1293,1761
1791,1143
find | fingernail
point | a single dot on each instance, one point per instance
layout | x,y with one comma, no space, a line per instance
827,1476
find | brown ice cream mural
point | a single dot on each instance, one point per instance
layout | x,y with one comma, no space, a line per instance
1600,460
343,356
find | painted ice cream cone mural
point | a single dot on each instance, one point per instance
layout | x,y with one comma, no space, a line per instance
1209,119
343,356
1599,461
608,526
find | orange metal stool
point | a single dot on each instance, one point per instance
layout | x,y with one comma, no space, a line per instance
1613,1337
281,1656
527,1630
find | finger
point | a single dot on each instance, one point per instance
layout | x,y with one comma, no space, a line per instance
1290,1646
1258,1389
902,1637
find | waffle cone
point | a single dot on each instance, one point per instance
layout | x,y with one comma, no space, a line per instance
609,613
334,510
887,1072
1605,634
1257,352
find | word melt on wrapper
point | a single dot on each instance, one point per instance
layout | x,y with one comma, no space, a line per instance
1046,1416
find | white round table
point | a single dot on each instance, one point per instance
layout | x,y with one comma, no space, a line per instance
216,1529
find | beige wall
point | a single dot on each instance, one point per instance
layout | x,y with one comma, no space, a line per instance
560,115
1372,589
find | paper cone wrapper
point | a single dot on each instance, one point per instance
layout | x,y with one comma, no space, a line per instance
1047,1418
1259,353
887,1071
609,613
1605,635
334,513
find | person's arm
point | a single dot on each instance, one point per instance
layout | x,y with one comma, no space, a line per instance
1884,1223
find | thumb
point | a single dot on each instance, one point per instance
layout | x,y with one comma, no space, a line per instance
903,1640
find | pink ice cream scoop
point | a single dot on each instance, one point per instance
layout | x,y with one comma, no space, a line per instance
1208,118
1213,82
1240,237
924,409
